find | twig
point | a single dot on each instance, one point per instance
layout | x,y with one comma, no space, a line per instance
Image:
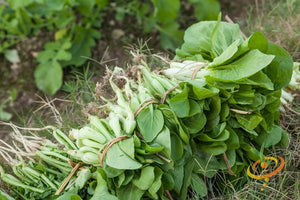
74,170
227,18
227,164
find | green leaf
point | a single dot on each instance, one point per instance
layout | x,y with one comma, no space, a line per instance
101,191
198,90
83,41
171,36
156,185
164,139
117,159
4,196
198,186
226,54
249,121
69,194
223,35
249,64
130,191
166,10
48,77
195,123
281,68
176,148
146,179
101,3
12,55
85,6
214,148
231,156
206,9
180,103
150,123
269,138
54,5
206,164
15,4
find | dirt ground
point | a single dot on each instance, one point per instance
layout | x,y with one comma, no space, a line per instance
111,50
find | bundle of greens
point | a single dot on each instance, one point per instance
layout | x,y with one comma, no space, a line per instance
214,109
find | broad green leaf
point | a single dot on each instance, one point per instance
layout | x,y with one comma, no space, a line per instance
12,55
166,10
171,35
68,195
206,9
251,151
150,122
249,121
206,164
198,186
180,103
187,178
168,181
82,43
195,123
85,6
156,185
231,156
117,159
284,139
178,175
82,177
269,138
164,139
207,138
233,141
127,146
260,79
15,4
214,108
54,5
101,191
223,35
198,90
281,68
48,77
130,191
5,116
197,41
172,118
101,3
226,54
146,179
4,196
214,148
249,64
176,148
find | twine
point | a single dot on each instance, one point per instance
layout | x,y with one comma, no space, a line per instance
66,181
197,69
107,146
241,111
168,195
227,164
164,95
140,107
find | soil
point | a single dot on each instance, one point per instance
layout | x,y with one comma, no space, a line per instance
111,50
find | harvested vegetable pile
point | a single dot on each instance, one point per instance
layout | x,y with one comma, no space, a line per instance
214,108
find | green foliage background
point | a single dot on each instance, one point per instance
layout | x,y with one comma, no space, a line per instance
75,26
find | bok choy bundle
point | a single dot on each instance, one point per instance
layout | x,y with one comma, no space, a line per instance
214,108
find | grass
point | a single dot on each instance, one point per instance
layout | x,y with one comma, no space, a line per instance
279,21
